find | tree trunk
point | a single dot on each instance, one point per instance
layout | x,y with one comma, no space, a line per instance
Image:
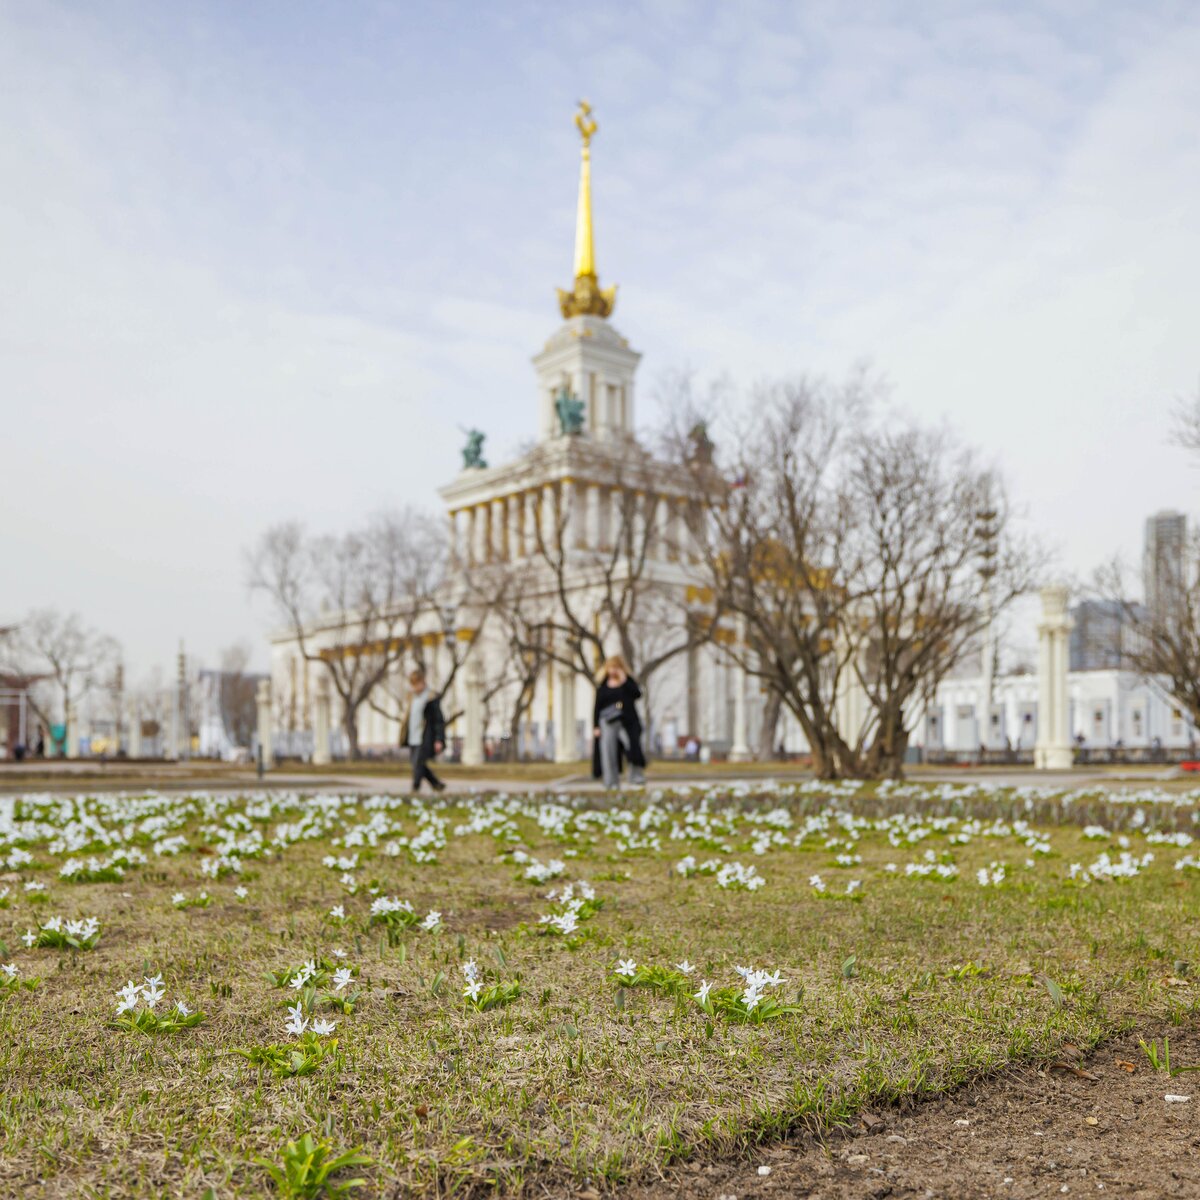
770,724
350,726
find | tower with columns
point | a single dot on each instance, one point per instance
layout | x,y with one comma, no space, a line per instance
584,479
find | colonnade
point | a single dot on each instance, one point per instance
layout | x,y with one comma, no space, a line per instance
591,515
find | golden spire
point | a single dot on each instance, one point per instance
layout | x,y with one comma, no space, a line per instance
587,297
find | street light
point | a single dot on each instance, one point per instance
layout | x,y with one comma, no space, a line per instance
987,533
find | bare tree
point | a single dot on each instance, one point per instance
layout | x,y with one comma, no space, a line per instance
352,602
771,545
66,657
929,530
512,593
848,553
239,708
574,602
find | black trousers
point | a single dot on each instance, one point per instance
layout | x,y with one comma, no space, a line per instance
421,770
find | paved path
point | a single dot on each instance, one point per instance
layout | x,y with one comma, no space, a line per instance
98,775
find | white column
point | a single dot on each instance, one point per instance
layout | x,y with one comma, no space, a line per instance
1061,663
667,546
134,722
565,749
549,518
265,723
1012,717
72,746
321,725
512,510
1053,749
637,514
616,516
499,530
851,704
479,531
531,517
469,547
472,750
740,750
569,516
592,524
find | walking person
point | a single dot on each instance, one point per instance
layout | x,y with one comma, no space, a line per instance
424,729
616,726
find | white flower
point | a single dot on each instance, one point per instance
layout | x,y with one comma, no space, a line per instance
241,892
10,969
684,968
432,921
341,977
129,996
626,967
339,954
178,898
182,1009
338,911
153,990
702,994
472,990
323,1027
816,883
296,1022
29,937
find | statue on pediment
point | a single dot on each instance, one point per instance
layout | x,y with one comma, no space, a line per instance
570,411
473,451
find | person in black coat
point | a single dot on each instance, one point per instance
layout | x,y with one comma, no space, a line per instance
616,726
424,731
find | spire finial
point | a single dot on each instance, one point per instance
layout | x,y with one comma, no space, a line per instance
587,297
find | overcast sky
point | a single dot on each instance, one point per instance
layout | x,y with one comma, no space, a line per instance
262,261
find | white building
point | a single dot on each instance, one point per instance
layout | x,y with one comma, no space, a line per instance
1106,709
579,483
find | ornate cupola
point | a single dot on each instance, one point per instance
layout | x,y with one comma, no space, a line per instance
585,370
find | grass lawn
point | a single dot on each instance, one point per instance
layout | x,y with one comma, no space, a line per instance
900,974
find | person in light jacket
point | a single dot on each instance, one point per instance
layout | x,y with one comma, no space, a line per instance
424,730
616,726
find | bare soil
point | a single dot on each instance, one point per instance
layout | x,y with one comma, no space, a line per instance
1084,1127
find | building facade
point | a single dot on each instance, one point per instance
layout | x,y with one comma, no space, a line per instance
583,512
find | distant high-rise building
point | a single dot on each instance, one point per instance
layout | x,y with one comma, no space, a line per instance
1096,641
1163,559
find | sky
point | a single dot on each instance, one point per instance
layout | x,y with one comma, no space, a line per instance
268,261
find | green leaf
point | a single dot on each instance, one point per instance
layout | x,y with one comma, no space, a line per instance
1056,993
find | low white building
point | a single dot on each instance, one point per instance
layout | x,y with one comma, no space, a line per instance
1107,709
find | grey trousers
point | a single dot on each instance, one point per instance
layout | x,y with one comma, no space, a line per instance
613,738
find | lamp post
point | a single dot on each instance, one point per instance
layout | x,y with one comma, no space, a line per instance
986,530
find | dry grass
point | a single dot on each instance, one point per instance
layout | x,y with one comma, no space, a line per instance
579,1082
